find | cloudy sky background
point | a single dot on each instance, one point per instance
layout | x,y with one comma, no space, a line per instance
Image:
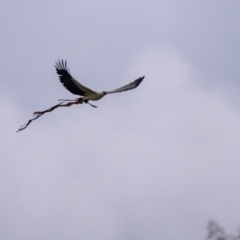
154,163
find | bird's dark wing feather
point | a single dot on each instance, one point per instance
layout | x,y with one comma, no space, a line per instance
129,86
68,81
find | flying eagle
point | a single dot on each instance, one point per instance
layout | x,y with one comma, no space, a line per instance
87,94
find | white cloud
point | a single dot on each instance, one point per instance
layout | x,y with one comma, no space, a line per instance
157,162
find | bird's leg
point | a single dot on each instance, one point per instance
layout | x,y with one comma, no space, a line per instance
91,105
80,100
86,101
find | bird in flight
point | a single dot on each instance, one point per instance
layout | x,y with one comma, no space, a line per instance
87,94
77,88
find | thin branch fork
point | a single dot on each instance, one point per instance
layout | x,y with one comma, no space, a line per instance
63,103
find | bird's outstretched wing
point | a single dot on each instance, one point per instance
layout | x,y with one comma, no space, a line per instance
129,86
68,81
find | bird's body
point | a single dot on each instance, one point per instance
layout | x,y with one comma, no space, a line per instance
87,94
94,96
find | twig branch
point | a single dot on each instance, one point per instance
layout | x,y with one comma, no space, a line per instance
63,103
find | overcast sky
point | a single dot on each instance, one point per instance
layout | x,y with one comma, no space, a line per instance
155,163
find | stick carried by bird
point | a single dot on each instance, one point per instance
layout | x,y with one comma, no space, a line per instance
77,88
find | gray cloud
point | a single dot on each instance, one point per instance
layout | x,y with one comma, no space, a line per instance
157,162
